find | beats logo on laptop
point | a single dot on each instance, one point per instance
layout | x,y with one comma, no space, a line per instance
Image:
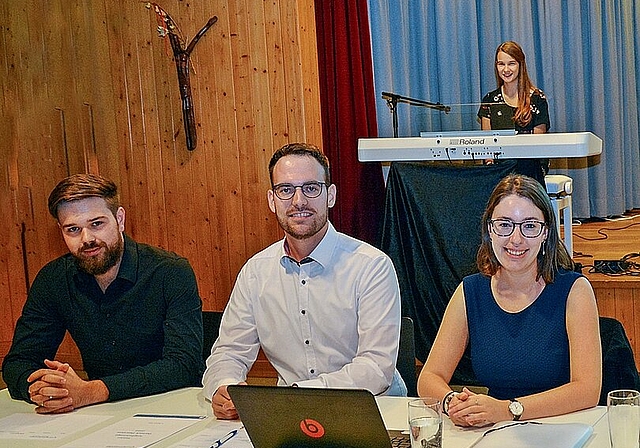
312,428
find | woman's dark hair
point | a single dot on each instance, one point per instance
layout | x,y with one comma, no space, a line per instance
555,254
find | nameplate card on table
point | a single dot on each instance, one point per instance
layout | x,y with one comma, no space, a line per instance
222,434
34,426
139,431
533,434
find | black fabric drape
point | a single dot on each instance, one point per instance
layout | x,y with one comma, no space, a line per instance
431,231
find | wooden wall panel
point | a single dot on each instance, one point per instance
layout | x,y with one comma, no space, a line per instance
88,86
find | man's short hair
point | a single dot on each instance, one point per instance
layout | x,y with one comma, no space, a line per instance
82,186
301,149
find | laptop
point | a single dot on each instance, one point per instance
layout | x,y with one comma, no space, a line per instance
501,116
287,417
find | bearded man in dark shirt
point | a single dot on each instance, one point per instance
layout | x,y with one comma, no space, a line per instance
133,310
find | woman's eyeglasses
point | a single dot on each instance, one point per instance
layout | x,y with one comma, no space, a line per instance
505,227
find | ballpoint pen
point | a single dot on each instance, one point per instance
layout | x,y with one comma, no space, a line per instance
228,436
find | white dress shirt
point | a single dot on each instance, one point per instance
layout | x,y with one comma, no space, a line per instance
331,321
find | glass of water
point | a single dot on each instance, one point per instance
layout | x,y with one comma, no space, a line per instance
623,412
425,423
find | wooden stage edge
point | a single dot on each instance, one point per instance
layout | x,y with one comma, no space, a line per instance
618,295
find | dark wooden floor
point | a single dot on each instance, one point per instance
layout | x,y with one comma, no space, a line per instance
611,239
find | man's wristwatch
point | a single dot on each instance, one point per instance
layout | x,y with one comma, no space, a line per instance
516,409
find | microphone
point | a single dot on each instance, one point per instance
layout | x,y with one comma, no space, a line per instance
388,96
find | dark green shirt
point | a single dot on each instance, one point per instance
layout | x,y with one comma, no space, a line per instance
142,336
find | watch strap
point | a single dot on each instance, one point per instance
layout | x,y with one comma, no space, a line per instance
446,400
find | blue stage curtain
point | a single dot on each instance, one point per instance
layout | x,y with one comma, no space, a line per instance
583,54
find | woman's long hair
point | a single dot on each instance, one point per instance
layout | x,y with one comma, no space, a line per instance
525,87
553,254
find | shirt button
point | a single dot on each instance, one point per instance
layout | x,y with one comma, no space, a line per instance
307,342
304,311
304,282
312,371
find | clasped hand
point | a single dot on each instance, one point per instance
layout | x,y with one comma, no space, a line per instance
55,389
471,409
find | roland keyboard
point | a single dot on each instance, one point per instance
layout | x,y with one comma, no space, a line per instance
478,145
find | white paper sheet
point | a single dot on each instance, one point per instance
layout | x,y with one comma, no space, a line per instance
136,432
208,437
34,426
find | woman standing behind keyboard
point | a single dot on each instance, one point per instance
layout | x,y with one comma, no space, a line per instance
516,104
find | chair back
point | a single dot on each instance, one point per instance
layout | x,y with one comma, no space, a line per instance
619,369
211,327
406,363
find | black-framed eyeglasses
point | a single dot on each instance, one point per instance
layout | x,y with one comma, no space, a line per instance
530,228
309,189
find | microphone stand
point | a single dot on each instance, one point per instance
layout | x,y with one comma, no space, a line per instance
393,99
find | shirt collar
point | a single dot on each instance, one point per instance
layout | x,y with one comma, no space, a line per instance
129,266
323,251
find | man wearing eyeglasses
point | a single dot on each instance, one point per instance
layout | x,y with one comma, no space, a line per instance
324,307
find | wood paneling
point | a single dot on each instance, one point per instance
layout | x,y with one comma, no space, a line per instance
88,86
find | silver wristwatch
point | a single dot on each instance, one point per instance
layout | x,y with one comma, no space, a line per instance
516,409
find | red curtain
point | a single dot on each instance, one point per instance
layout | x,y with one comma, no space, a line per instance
348,112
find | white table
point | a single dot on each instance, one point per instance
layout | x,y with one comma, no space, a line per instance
190,401
394,413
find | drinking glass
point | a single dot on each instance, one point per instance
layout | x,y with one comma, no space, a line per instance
425,423
623,412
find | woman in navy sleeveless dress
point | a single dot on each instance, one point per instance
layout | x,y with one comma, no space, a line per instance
530,321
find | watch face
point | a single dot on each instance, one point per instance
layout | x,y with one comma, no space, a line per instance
516,408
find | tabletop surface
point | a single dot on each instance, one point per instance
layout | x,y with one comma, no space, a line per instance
190,401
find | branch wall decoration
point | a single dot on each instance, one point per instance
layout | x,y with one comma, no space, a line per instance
167,27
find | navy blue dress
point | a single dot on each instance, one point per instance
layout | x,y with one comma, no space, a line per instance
519,354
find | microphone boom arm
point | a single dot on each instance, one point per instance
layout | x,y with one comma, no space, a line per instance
393,99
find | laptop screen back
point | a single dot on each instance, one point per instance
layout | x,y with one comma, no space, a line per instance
501,116
287,417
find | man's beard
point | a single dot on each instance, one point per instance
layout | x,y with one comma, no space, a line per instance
316,225
100,264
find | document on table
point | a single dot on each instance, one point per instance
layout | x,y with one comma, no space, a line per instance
531,434
46,427
562,431
138,431
226,434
